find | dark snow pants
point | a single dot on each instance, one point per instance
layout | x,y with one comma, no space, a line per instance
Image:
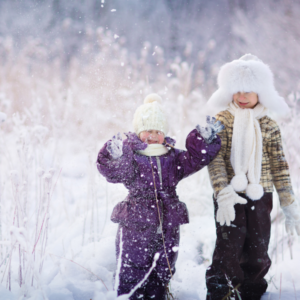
138,250
241,251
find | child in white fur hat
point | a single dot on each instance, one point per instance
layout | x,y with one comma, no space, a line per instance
149,218
250,162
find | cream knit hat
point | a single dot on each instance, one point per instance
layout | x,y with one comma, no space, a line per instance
150,116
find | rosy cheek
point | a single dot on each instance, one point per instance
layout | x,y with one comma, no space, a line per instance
160,139
144,137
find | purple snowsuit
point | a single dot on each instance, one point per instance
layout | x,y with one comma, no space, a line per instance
138,215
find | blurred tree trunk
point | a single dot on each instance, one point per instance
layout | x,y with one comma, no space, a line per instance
175,7
240,4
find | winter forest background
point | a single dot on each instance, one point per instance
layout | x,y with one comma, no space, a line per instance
71,75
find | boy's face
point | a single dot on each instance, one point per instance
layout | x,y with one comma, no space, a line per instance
152,137
245,99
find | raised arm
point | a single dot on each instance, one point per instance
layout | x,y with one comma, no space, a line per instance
115,160
217,168
198,155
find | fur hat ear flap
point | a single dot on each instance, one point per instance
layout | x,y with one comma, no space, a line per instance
272,100
218,101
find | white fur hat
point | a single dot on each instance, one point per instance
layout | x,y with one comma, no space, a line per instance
247,74
150,115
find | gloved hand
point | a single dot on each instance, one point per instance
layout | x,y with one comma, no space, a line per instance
169,141
114,146
292,218
134,142
209,133
226,199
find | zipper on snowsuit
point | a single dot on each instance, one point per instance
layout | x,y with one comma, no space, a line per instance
159,229
159,170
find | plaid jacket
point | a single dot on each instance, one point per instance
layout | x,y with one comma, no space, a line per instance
275,169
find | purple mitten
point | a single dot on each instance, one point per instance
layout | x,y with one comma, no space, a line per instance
134,142
169,141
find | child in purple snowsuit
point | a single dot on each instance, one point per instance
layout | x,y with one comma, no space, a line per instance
149,218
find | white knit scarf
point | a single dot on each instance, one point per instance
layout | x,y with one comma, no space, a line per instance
246,149
154,150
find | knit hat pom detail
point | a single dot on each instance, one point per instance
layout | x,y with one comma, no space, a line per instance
254,191
152,98
239,182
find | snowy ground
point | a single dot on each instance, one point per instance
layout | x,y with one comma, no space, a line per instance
79,259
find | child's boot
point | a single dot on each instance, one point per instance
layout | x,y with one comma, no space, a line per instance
154,292
139,294
254,290
155,289
220,295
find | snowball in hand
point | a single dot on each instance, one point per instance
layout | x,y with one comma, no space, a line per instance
115,145
209,133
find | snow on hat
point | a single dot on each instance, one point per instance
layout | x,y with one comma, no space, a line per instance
247,74
150,115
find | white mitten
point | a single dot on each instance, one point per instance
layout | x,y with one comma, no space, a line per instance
114,146
226,199
292,218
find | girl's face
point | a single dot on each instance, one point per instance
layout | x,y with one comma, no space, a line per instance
245,100
152,137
